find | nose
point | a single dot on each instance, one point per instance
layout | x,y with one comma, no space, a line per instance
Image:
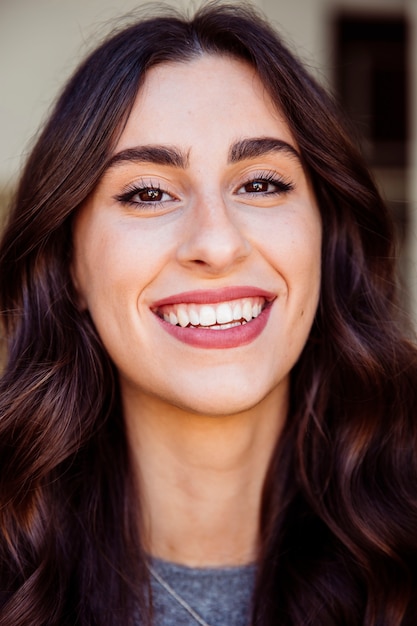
212,239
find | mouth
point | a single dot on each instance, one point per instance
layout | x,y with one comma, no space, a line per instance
215,316
228,317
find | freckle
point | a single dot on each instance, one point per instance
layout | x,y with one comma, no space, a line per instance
302,312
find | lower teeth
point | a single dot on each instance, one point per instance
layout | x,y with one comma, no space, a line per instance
219,326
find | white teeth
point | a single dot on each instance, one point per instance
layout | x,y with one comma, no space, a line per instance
173,319
216,316
194,316
183,319
247,310
207,316
224,313
237,311
225,326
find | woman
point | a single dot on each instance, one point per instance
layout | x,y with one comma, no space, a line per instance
207,408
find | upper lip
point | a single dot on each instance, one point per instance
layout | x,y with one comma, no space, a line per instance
213,296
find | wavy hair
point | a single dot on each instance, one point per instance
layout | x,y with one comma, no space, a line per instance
338,525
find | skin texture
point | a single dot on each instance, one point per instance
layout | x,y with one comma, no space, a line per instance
201,422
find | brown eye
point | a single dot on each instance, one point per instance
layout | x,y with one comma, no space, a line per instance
256,186
150,195
141,195
268,186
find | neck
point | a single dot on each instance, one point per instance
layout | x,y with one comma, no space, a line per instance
201,478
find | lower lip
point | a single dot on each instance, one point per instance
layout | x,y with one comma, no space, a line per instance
219,339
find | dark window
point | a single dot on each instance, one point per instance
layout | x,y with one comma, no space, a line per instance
371,79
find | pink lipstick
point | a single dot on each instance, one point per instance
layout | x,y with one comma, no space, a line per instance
216,319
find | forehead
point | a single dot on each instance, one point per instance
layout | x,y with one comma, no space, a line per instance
211,96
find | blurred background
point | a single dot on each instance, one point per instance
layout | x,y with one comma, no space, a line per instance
364,51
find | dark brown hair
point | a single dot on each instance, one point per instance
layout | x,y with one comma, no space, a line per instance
338,533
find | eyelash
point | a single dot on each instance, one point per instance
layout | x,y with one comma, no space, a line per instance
282,187
136,188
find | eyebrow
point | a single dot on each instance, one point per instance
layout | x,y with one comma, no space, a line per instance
160,155
252,148
167,155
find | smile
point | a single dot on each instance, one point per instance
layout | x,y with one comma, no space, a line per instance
219,316
238,314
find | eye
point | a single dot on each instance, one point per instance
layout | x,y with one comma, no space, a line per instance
258,186
150,194
266,184
144,195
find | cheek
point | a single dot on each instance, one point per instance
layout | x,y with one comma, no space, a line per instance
102,274
102,257
112,267
292,245
307,260
299,263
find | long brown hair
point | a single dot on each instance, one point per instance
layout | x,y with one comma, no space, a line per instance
338,531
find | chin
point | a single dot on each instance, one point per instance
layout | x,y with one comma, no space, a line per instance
228,401
221,408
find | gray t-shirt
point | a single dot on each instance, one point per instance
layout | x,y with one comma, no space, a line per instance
221,596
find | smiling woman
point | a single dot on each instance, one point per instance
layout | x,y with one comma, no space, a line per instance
206,414
215,229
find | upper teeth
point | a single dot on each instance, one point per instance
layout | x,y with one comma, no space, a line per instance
212,314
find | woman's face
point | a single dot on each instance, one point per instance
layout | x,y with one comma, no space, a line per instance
198,254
